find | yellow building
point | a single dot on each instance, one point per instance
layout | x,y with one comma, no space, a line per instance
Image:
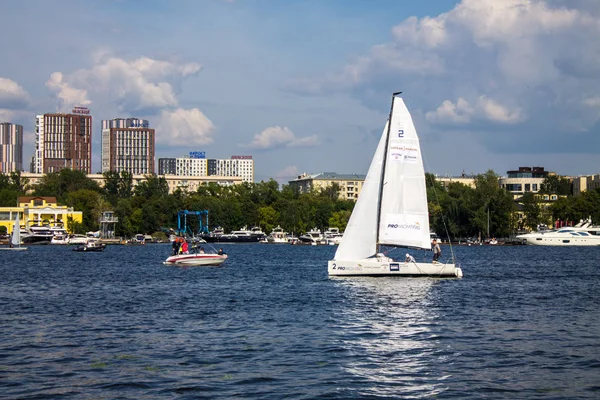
350,184
39,211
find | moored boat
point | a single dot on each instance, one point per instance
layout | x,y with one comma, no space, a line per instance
314,236
91,245
582,234
277,236
240,236
37,235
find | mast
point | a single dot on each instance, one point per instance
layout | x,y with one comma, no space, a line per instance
381,181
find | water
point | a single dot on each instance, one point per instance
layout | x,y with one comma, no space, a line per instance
270,324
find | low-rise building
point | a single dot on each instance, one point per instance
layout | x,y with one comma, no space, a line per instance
187,183
39,211
350,184
465,180
523,180
584,183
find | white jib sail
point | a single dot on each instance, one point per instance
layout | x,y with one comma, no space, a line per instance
404,214
360,236
16,234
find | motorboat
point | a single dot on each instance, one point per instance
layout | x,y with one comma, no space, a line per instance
314,236
59,238
197,257
258,233
582,234
240,236
332,236
78,239
278,236
90,245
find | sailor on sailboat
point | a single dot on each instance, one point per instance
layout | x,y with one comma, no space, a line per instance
391,209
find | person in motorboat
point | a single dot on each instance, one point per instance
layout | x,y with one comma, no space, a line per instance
175,246
184,247
409,258
437,252
201,250
220,252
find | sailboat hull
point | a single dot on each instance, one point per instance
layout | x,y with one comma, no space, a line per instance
376,267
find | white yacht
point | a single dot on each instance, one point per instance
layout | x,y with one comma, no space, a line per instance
333,236
256,231
582,234
59,238
278,235
59,235
38,235
78,239
314,236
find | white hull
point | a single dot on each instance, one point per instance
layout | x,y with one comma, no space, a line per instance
277,240
196,259
375,267
541,240
13,248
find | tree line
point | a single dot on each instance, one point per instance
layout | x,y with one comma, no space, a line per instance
456,210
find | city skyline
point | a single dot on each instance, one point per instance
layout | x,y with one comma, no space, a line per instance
305,86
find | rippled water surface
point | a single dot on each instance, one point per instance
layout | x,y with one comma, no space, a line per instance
523,323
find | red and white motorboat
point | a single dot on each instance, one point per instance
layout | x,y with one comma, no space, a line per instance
196,259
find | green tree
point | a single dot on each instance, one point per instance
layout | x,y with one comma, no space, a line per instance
554,184
268,217
60,184
152,186
340,219
90,203
531,210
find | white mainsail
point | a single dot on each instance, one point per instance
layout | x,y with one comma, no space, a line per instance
360,236
16,233
404,216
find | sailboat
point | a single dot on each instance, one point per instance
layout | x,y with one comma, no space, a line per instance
15,240
391,209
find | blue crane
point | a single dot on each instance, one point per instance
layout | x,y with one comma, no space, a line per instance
182,222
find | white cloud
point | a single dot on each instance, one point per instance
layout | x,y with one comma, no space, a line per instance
462,112
289,172
530,65
184,127
592,101
67,96
277,137
12,95
143,85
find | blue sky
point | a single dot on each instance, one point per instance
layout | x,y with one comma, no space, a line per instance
305,86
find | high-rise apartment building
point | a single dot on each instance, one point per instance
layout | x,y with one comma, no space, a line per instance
63,141
11,147
197,165
128,145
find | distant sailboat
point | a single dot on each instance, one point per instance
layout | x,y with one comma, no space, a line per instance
15,240
391,209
